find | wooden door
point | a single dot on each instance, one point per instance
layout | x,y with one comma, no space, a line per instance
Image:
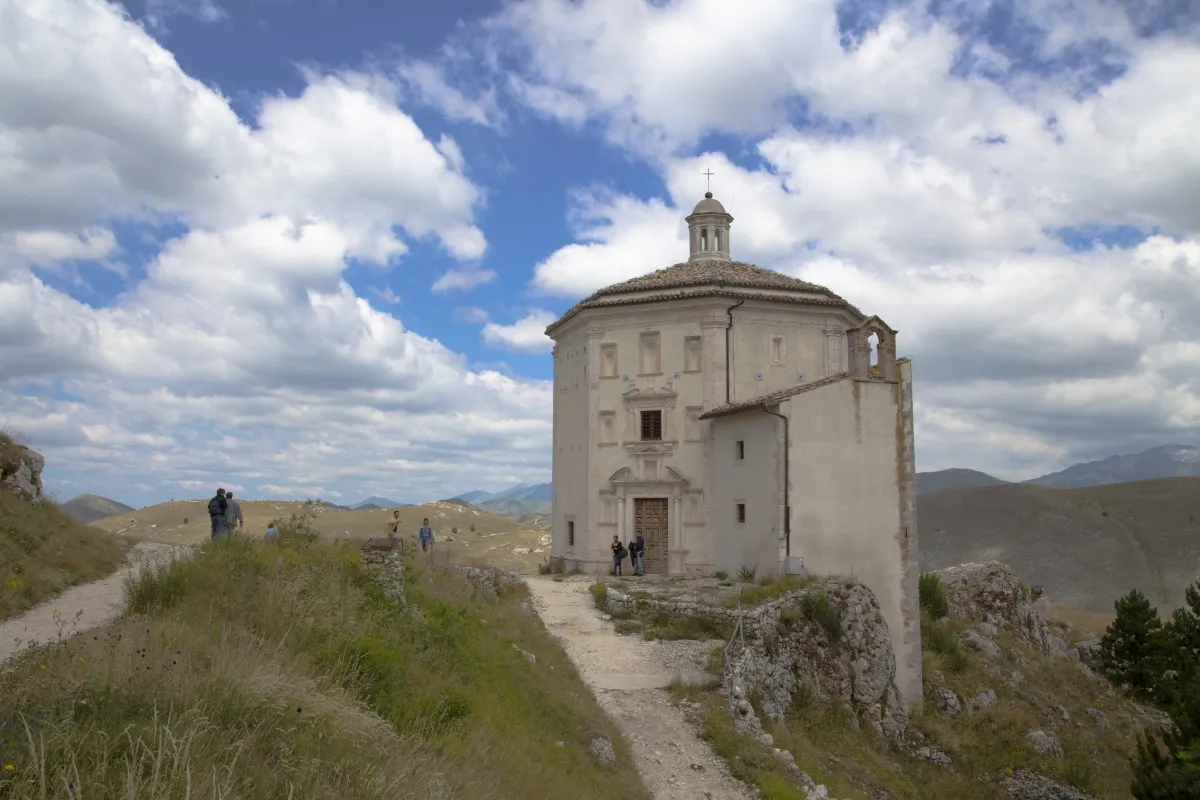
650,520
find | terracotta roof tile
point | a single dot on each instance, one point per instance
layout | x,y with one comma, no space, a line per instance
727,275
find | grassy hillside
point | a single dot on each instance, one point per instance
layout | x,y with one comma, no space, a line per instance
1086,547
43,551
930,482
89,507
256,671
477,535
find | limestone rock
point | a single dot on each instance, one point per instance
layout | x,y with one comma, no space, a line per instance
601,748
973,640
21,472
946,701
985,699
992,593
1098,717
1089,651
1045,743
1026,785
784,653
935,755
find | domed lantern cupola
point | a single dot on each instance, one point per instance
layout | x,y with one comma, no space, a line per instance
708,230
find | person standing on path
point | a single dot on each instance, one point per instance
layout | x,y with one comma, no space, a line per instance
639,555
426,537
618,551
217,508
233,513
394,525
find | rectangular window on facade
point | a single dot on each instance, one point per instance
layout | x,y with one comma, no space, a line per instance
691,429
741,513
652,426
608,427
570,533
651,354
740,450
692,348
608,361
778,351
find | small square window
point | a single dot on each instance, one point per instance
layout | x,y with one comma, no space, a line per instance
741,513
570,533
741,450
652,426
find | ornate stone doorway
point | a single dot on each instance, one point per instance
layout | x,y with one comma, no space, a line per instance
651,521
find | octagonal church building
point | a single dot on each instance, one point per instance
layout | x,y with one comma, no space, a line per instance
736,417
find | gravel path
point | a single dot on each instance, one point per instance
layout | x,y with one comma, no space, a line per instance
82,607
627,674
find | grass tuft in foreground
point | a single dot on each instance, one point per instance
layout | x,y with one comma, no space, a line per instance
265,671
43,551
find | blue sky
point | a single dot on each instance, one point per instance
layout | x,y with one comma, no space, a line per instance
307,247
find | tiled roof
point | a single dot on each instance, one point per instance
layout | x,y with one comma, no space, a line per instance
773,397
720,274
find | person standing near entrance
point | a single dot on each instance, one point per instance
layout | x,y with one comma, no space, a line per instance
217,508
426,537
639,556
618,553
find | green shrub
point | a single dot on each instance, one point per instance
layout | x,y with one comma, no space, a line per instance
746,574
599,591
816,607
932,594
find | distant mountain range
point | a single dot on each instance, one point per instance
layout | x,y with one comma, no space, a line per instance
89,507
375,501
516,500
930,482
1168,461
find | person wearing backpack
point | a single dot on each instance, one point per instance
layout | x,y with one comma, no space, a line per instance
217,508
618,553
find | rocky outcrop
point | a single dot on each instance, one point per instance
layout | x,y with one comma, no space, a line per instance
1025,785
787,648
991,593
21,471
489,580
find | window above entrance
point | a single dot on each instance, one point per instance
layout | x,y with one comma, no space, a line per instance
652,427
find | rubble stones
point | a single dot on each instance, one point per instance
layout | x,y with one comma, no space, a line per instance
1098,717
985,699
946,701
973,640
489,580
1026,785
601,748
934,755
1045,744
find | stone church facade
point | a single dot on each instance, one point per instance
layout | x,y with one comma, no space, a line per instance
737,417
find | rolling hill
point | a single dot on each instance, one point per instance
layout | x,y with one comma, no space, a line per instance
89,507
522,499
1168,461
379,502
1085,546
463,532
929,482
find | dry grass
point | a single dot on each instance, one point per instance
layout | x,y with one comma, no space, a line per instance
1078,619
855,763
1087,547
43,551
260,671
502,542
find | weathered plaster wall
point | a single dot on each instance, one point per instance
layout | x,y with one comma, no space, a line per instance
757,482
570,464
851,511
812,348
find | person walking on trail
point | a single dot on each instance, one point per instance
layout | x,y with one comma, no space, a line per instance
271,535
639,555
618,553
426,537
233,513
394,525
217,508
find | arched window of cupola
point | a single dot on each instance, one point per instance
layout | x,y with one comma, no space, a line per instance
704,240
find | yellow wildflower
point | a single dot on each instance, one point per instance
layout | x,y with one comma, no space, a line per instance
9,767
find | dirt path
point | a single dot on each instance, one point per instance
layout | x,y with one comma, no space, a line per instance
81,607
627,674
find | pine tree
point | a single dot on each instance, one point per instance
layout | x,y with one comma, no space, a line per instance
1133,648
1166,766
